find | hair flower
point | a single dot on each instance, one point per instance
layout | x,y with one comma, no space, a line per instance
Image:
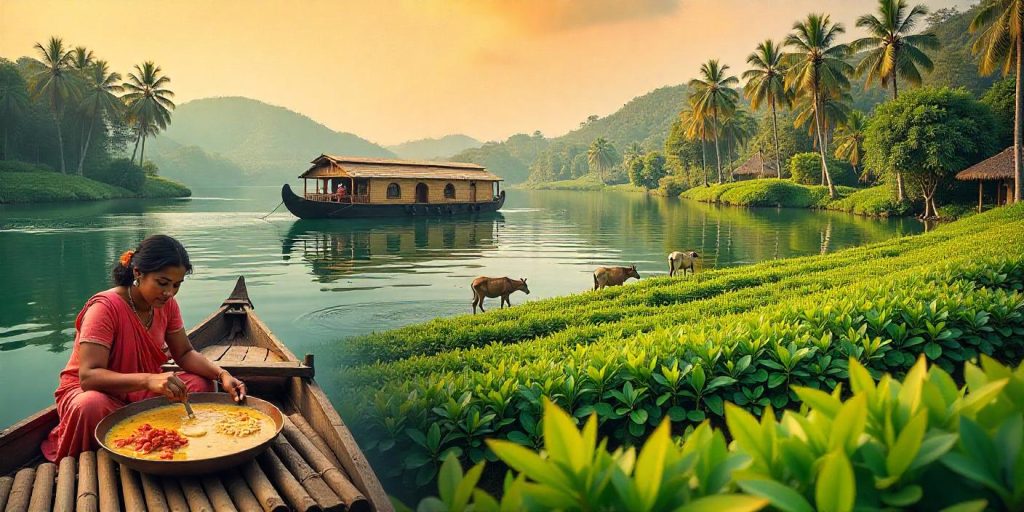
126,258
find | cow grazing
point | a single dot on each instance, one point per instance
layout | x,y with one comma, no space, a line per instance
613,276
681,260
496,287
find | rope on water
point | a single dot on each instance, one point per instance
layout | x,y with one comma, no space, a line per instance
272,211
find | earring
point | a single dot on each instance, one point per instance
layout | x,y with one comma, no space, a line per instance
136,282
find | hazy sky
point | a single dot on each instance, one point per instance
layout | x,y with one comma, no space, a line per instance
392,71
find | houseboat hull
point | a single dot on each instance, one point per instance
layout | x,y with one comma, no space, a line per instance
307,209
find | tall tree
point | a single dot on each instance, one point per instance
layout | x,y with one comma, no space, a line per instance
892,50
13,101
601,157
850,140
817,64
696,123
766,82
737,128
1001,45
98,100
148,103
713,93
54,80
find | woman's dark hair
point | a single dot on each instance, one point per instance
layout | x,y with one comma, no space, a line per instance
154,253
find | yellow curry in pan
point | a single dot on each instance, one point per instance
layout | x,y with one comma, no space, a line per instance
167,433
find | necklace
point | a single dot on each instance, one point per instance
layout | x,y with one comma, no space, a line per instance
131,302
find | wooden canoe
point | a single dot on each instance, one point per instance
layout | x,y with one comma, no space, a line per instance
314,465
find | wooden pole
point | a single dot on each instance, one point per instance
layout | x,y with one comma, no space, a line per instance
154,492
195,495
64,501
42,488
268,497
311,434
21,491
176,501
87,500
132,492
980,182
310,479
291,489
218,494
6,483
110,495
240,492
333,475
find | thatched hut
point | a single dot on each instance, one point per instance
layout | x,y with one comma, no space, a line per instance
999,169
755,167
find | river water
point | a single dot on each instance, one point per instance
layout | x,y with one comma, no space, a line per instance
316,283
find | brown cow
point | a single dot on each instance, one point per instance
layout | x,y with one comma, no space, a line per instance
494,287
613,276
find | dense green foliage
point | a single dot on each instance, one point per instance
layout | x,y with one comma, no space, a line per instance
647,171
22,182
120,172
877,201
929,135
955,64
921,444
761,192
805,169
681,348
1000,100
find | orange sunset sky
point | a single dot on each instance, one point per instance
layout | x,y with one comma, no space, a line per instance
392,71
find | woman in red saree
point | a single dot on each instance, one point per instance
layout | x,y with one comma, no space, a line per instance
123,336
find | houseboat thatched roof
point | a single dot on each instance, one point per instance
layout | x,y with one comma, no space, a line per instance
331,166
998,167
752,167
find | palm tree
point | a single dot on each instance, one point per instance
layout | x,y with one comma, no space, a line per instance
713,93
100,98
737,129
601,156
148,103
13,103
54,80
696,123
816,65
850,140
766,82
892,50
1002,46
81,58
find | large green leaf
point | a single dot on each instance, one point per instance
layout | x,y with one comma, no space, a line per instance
836,488
781,496
724,503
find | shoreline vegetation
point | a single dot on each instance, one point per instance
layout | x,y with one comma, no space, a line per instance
682,348
28,183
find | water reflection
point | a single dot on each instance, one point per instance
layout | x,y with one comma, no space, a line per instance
336,249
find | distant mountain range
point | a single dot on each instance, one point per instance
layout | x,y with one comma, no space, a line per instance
434,149
224,140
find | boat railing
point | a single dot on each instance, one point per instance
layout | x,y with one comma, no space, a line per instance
335,198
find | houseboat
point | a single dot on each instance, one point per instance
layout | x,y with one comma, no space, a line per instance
341,187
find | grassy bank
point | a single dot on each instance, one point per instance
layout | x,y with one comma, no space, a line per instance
874,201
22,183
683,347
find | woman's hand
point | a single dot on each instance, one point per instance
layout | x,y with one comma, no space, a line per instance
233,386
167,384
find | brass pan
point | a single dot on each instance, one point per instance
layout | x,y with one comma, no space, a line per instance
187,467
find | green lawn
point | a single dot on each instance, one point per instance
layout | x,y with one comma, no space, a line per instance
23,185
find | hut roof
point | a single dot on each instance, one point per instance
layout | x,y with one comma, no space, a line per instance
997,167
752,167
332,166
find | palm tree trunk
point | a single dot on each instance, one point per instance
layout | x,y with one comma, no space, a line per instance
703,159
775,135
1017,111
718,154
900,195
60,144
142,154
85,150
138,137
821,145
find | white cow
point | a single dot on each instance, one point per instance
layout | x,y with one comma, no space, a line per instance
681,260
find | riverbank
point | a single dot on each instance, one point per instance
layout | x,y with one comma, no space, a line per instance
586,183
23,183
683,347
874,201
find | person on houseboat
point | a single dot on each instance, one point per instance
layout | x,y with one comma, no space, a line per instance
340,193
122,337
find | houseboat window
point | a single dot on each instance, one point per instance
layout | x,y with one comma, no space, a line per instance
394,191
449,191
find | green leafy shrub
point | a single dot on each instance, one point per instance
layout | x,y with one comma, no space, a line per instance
157,186
120,173
877,201
672,185
805,169
45,186
19,166
920,444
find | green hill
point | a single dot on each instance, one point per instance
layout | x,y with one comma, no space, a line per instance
269,144
431,149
